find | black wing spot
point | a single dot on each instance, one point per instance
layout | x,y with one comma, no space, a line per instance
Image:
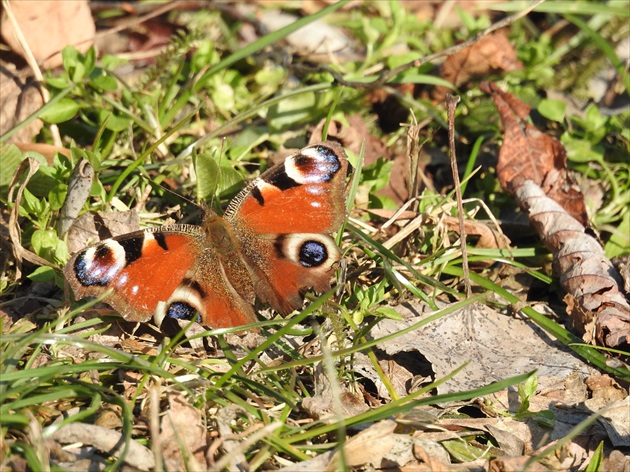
257,194
313,254
182,311
278,245
283,181
161,240
196,286
132,247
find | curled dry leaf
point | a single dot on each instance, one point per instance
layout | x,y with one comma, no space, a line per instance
27,169
532,167
488,236
585,273
106,440
79,187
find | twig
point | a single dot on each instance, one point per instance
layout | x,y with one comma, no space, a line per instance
451,104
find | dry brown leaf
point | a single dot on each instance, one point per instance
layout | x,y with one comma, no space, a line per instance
367,447
432,454
325,403
496,346
315,464
49,26
618,461
583,269
487,236
90,228
509,464
615,421
183,436
529,154
19,97
491,54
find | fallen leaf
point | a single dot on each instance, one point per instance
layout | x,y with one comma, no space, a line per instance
19,98
367,447
477,335
583,269
182,436
49,26
318,41
532,167
326,401
490,55
529,154
90,228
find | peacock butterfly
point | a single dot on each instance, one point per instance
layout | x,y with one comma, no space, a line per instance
273,241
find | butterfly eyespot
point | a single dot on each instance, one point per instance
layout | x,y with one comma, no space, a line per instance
98,265
313,254
182,311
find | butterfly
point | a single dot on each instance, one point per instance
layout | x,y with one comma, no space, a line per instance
272,242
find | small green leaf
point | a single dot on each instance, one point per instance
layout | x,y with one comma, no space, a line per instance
389,312
581,150
42,240
400,59
595,464
47,244
104,83
10,158
64,110
462,451
270,77
113,122
42,274
552,109
70,57
213,179
89,61
291,111
223,96
544,418
31,204
60,82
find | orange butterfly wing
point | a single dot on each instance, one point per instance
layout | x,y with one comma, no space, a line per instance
284,220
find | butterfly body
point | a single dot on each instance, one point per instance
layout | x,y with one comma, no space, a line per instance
273,242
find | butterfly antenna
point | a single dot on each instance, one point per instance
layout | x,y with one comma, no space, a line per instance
154,185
